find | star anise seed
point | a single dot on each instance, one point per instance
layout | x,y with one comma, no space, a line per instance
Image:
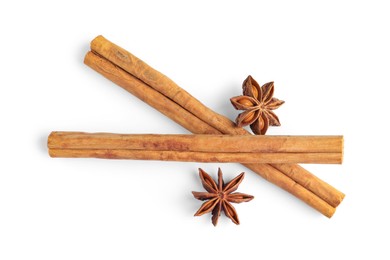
257,103
219,196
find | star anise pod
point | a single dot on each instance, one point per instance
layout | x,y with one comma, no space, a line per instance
220,196
257,102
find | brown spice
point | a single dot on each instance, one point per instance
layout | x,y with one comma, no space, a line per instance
257,102
219,196
198,148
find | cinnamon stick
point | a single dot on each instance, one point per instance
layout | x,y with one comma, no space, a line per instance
200,142
173,111
197,148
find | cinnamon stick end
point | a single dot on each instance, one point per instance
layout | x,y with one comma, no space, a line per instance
51,153
330,212
50,139
87,58
97,41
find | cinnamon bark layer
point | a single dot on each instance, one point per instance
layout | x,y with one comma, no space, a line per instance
190,156
330,197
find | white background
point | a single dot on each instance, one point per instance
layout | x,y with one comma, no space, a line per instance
329,61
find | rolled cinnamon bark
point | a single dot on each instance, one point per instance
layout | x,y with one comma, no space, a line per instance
197,148
173,111
164,85
199,142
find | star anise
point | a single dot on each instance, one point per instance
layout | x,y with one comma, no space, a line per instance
220,196
257,102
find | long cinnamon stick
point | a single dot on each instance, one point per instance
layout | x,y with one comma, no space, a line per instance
201,143
197,148
173,111
158,81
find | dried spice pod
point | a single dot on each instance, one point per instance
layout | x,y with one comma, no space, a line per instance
251,107
257,103
219,196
